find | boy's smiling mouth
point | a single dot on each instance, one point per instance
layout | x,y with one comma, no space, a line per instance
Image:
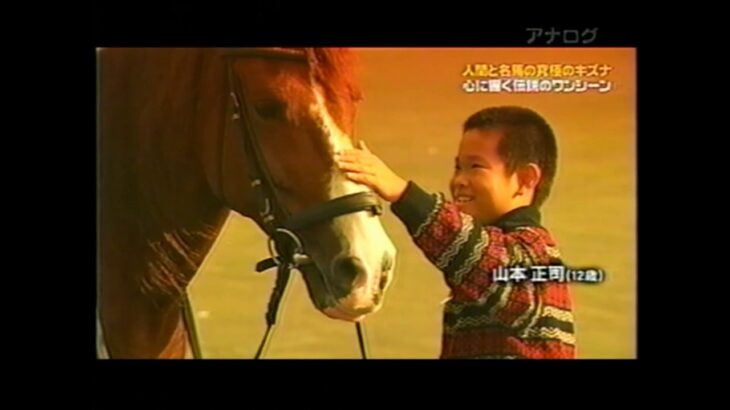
462,199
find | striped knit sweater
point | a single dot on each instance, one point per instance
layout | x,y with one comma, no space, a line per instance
485,318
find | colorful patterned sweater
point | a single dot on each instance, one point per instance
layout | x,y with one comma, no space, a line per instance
484,317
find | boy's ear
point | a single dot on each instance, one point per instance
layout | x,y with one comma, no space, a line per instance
528,176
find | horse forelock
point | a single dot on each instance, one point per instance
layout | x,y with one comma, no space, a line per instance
334,70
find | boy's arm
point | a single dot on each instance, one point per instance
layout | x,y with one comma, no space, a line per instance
467,254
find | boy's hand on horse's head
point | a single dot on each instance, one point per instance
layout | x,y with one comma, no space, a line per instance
362,166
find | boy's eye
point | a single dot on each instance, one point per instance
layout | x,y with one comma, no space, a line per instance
476,166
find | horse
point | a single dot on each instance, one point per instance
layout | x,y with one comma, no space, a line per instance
172,166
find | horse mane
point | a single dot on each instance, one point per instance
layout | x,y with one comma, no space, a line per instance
160,184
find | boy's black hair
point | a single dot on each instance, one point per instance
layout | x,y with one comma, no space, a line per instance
527,137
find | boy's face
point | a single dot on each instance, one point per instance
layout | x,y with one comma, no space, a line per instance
480,185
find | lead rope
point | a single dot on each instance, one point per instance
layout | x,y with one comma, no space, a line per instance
360,327
189,319
283,273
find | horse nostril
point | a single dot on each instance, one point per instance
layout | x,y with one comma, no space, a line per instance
386,266
387,263
348,269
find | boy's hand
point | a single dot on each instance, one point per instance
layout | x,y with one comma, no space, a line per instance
364,167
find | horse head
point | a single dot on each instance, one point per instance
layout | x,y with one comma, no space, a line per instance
301,107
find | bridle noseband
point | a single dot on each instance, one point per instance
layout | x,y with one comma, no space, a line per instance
285,246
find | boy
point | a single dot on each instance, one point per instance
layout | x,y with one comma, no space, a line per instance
503,173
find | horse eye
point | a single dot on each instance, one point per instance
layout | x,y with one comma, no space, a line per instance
271,110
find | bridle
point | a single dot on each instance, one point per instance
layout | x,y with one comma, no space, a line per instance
285,247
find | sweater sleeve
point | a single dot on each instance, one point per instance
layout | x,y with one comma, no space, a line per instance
469,254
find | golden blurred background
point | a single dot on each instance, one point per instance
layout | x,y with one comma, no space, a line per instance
411,117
